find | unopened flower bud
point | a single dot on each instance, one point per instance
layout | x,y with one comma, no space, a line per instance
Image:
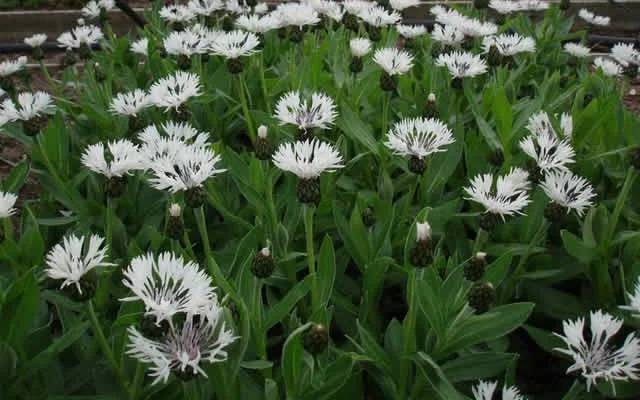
474,268
488,221
308,191
316,339
115,186
417,165
87,288
175,226
421,254
368,217
263,264
481,297
235,65
262,146
431,107
184,62
194,197
388,82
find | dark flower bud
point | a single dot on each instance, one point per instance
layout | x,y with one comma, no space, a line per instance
554,211
175,226
494,58
263,264
565,4
368,217
69,59
99,73
235,65
115,186
194,197
430,109
474,268
184,62
421,254
356,65
481,297
35,125
388,82
262,146
308,191
351,22
488,221
84,52
87,290
417,165
315,339
152,330
374,32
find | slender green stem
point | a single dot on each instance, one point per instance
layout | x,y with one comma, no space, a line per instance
407,204
263,83
385,113
137,381
108,225
311,257
271,206
245,108
7,227
106,349
409,328
622,198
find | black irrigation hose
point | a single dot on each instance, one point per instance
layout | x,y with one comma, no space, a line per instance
124,6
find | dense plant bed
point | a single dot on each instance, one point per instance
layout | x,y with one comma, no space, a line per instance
333,206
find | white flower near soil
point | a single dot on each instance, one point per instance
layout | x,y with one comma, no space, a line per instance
296,14
140,46
597,358
378,16
177,13
168,285
261,8
568,190
360,47
85,34
400,5
533,5
178,171
130,103
472,27
91,10
577,49
447,34
634,300
28,106
545,147
308,159
504,7
7,201
462,64
607,66
484,390
35,40
185,43
202,338
509,44
293,109
625,54
72,259
173,91
236,7
510,195
205,7
354,7
393,60
124,158
258,23
328,8
593,19
10,67
235,44
411,31
419,137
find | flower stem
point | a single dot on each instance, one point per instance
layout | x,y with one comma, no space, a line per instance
409,328
7,227
108,224
137,380
106,349
245,109
622,198
263,83
308,227
385,113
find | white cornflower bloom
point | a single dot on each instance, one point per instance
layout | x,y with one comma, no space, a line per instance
175,210
235,44
74,257
7,201
423,231
393,61
185,43
625,54
129,103
634,300
509,44
168,285
29,106
307,159
91,10
175,90
296,14
419,137
400,5
293,109
35,40
509,197
205,7
184,170
568,190
258,23
608,67
328,8
548,151
462,64
577,49
80,21
504,6
140,46
10,67
445,15
540,124
202,338
533,5
447,34
175,138
354,7
411,31
236,7
598,359
593,19
124,158
360,47
485,390
85,34
261,8
378,16
566,125
475,28
177,13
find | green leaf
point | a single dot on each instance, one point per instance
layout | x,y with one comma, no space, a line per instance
577,248
271,390
436,378
470,367
355,129
292,354
19,310
278,312
336,375
503,116
429,295
17,177
498,270
256,364
326,270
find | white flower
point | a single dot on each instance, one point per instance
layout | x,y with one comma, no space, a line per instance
393,61
625,54
73,258
202,338
475,28
205,7
124,158
80,21
177,13
91,10
328,8
423,231
608,67
577,49
360,47
378,16
598,359
130,103
258,24
548,151
235,7
539,124
235,44
593,19
510,44
167,285
533,5
400,5
504,6
7,201
354,7
411,31
175,210
176,138
29,105
35,40
261,8
140,46
462,64
447,34
509,197
85,34
568,190
174,90
185,43
566,125
184,170
419,137
295,14
9,67
485,391
292,109
307,159
634,300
